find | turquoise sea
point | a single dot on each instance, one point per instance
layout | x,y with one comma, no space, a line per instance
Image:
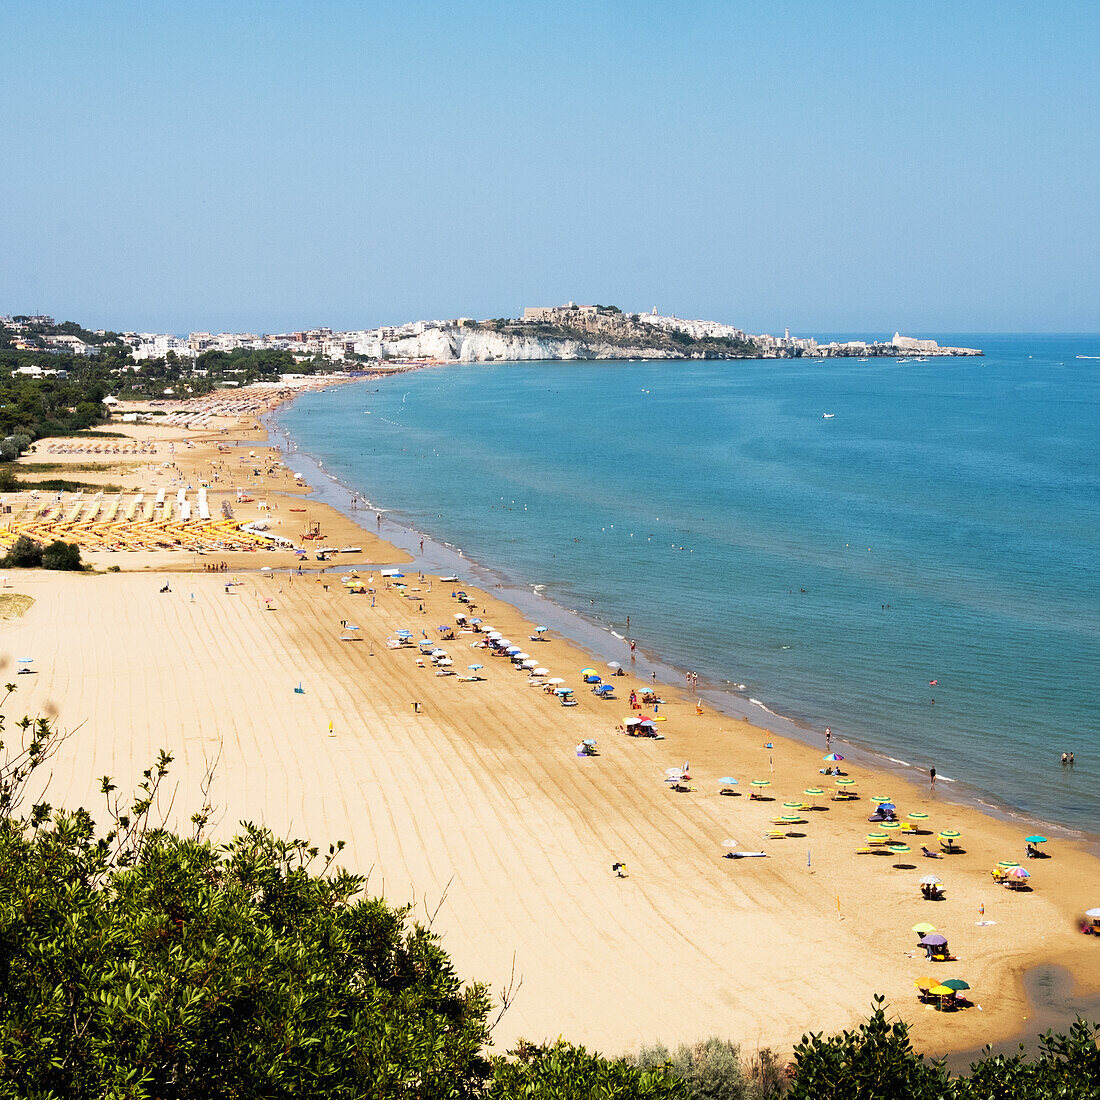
943,524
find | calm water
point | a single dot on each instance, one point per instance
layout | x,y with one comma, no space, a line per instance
943,525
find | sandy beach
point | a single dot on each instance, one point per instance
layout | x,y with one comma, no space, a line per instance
467,799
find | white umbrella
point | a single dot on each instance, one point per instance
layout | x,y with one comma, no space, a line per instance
1092,912
556,680
540,672
930,880
614,664
444,662
530,663
439,653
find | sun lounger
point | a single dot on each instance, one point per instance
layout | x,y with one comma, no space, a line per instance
776,834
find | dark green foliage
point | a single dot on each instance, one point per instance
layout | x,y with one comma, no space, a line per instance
1068,1068
875,1062
24,554
144,964
62,555
564,1072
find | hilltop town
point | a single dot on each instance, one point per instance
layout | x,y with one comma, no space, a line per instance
568,331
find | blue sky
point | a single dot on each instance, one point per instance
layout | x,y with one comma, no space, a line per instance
828,166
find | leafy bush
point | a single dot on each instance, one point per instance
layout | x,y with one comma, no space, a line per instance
62,555
710,1070
562,1072
24,554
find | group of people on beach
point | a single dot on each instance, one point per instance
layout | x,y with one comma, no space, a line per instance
215,567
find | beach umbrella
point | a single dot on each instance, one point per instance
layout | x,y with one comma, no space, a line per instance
1095,913
925,983
563,691
792,805
614,664
950,834
728,781
541,629
512,650
647,723
556,680
530,663
899,850
955,983
887,807
588,672
813,792
1018,872
444,662
540,672
475,668
1004,864
632,721
589,741
505,643
924,928
881,798
930,880
1036,839
790,819
918,815
940,991
673,775
877,836
933,939
475,622
729,842
891,824
25,660
760,784
524,657
493,635
846,782
439,653
832,758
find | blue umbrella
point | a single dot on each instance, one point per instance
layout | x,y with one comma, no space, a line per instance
475,668
728,780
589,741
1036,839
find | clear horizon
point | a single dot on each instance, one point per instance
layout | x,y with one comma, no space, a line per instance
831,169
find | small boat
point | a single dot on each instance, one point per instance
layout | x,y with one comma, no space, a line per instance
297,509
351,549
827,416
452,579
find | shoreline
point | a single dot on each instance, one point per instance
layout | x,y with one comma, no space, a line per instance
599,638
481,799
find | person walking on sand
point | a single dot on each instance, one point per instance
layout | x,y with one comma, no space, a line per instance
828,737
932,778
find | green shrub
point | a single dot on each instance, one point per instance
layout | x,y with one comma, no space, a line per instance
710,1070
25,554
62,555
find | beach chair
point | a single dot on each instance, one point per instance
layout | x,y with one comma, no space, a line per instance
776,834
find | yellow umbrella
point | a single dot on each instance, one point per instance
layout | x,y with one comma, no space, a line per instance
940,991
877,836
924,928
